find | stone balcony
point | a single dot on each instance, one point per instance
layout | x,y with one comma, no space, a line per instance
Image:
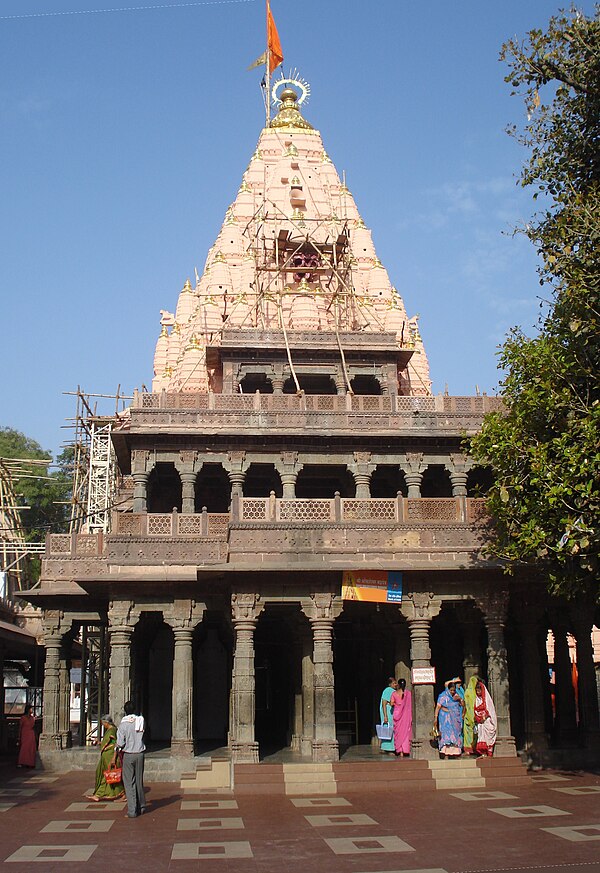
274,534
307,413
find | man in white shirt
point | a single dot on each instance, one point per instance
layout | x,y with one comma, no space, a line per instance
130,741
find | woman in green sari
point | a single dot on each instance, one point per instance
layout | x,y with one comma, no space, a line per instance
469,720
103,790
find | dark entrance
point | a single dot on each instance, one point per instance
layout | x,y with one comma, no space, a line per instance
370,643
277,669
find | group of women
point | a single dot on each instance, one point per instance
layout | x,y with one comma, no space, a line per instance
465,719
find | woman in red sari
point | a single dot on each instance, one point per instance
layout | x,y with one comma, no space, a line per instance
27,739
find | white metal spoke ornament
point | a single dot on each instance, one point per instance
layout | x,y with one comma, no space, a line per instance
293,80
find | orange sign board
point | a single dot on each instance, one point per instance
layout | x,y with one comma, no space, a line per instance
373,586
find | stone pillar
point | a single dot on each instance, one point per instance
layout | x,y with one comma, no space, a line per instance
188,492
54,629
459,483
419,608
536,738
245,609
322,609
296,679
494,606
288,469
183,617
308,695
121,621
363,483
565,722
140,492
277,382
589,723
340,384
413,468
64,694
288,480
237,477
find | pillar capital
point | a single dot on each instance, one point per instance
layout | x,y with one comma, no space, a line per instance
184,615
418,606
323,606
246,606
494,605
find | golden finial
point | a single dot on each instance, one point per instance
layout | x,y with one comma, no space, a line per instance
187,286
289,112
258,155
377,262
360,223
168,372
297,215
177,328
295,182
304,287
244,187
229,217
219,258
325,159
194,344
164,331
344,188
291,151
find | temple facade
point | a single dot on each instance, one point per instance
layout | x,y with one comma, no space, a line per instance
291,443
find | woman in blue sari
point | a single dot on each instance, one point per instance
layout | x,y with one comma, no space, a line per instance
385,712
448,718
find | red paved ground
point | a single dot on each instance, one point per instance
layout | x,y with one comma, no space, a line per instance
436,830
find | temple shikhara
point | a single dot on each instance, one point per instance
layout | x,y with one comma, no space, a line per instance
291,516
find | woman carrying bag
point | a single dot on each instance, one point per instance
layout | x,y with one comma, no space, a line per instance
106,788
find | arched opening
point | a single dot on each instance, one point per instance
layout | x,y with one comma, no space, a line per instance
152,676
253,382
278,676
311,384
164,488
436,482
213,647
261,479
213,489
479,481
365,385
446,640
321,482
387,480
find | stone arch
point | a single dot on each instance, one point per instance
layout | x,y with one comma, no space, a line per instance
311,383
152,648
387,480
321,481
436,482
365,385
213,489
261,479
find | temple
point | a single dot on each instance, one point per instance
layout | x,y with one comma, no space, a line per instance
296,516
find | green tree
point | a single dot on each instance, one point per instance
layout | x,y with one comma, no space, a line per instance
545,449
47,491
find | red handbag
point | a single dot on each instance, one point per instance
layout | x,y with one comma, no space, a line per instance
113,775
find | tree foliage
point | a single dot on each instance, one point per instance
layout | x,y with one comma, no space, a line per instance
545,449
47,491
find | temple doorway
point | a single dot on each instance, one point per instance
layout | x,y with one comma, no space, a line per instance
152,677
277,667
371,643
212,681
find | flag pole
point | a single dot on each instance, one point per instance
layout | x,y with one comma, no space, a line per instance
268,70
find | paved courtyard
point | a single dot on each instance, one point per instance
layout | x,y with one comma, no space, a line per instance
553,825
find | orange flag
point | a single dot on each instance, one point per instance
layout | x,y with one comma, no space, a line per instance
273,44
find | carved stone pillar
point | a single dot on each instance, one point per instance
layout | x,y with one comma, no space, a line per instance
296,679
308,698
363,485
589,724
413,468
533,692
188,489
121,621
236,477
494,605
288,481
64,694
277,382
322,610
236,467
140,492
565,724
340,384
54,629
183,618
419,608
459,483
288,469
245,609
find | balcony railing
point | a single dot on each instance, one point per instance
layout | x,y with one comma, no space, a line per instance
348,512
391,403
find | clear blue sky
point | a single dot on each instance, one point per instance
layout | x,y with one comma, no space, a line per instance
125,135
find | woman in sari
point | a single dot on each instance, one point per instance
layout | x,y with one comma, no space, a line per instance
485,720
385,712
448,718
104,790
401,700
27,740
469,721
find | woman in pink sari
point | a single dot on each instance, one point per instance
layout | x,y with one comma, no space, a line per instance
401,700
